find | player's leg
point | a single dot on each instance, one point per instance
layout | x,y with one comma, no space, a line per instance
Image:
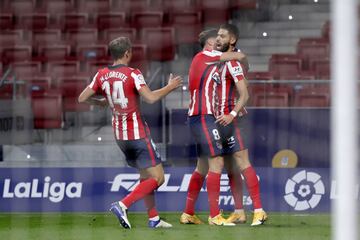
195,184
235,182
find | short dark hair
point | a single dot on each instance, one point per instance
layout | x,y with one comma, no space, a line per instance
205,35
119,46
232,29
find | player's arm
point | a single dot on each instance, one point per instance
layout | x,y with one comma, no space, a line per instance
239,56
87,96
244,96
153,96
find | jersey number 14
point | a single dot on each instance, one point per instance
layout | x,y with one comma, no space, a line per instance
117,96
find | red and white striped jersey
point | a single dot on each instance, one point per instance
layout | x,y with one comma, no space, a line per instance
230,73
201,86
120,85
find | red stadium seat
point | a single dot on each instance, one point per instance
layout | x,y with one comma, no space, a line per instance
299,76
26,69
162,42
272,97
70,21
312,48
188,25
284,64
11,37
93,6
215,12
110,20
175,5
70,90
131,5
16,53
6,21
54,52
63,68
46,37
312,97
47,110
93,66
110,34
20,6
7,91
37,83
259,76
321,68
146,19
139,58
82,36
34,21
58,6
88,52
243,4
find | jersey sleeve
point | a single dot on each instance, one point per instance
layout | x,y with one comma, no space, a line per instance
138,79
212,56
235,70
95,83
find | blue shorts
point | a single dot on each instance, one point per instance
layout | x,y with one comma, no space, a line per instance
234,136
206,135
141,153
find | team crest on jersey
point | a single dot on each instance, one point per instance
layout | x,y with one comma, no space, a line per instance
216,77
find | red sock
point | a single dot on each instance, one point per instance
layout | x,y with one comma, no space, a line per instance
213,189
144,188
196,182
150,203
235,182
252,184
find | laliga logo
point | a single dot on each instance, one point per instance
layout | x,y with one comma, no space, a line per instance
304,190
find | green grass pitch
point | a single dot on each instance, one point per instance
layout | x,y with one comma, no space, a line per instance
101,226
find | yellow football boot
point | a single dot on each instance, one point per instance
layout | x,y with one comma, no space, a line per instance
237,217
259,218
219,220
189,219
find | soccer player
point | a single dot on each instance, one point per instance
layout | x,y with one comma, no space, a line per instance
204,130
233,94
122,87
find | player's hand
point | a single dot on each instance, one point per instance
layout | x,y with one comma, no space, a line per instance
225,120
175,81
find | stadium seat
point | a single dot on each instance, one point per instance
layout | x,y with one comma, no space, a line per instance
140,58
11,37
45,37
26,69
16,53
53,52
81,36
299,76
7,91
47,110
58,6
187,24
33,21
71,88
162,42
259,76
37,83
93,66
6,21
312,97
71,21
110,20
312,48
284,64
242,4
173,6
321,68
110,34
20,6
63,68
93,6
146,19
326,29
215,12
271,97
131,5
88,52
